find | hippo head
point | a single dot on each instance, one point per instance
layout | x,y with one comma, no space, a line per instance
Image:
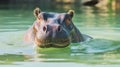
51,29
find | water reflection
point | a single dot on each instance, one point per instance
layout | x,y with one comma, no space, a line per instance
10,58
63,56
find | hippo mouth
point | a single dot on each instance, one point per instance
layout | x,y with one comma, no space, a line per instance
59,43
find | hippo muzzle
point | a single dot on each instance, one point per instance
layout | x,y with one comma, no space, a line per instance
52,35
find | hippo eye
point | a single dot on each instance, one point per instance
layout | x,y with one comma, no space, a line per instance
67,21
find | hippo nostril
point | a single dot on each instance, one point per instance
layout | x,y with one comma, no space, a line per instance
44,28
59,28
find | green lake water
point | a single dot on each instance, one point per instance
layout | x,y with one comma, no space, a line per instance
102,51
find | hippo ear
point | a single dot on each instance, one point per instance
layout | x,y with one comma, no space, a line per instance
36,12
71,12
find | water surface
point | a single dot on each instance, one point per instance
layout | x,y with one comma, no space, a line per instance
101,51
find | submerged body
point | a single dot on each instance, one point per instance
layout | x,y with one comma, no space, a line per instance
54,30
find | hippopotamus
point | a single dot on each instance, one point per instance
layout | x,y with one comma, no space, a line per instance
52,29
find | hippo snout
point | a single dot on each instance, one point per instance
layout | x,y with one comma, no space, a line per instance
53,35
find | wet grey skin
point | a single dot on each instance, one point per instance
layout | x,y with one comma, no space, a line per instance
55,30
